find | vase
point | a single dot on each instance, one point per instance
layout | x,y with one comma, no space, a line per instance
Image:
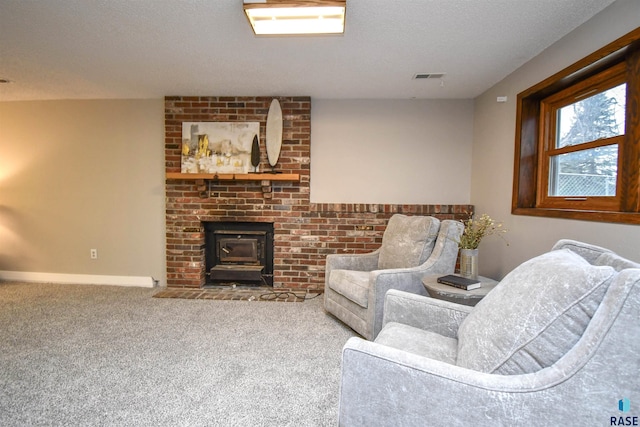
469,263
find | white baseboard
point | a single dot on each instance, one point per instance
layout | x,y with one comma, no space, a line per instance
77,279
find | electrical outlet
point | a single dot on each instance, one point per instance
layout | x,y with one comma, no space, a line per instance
93,253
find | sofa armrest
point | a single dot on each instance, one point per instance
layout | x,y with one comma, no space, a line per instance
441,317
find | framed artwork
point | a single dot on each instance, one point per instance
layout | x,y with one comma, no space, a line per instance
218,147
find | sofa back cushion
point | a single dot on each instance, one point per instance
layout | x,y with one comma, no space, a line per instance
534,316
407,241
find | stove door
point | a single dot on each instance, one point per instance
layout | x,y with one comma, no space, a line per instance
238,250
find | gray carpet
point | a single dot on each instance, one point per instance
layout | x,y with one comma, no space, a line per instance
100,355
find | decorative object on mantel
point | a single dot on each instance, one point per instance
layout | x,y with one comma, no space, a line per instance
474,232
274,133
217,147
255,154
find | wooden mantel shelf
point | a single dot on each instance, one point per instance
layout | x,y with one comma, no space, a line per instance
236,176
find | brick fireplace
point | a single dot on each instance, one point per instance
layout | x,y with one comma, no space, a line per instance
304,233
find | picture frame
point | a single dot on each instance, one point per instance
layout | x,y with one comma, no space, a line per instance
218,147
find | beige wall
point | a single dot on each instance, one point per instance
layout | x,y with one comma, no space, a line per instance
76,175
391,151
493,153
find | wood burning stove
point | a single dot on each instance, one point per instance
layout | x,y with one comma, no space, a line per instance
239,252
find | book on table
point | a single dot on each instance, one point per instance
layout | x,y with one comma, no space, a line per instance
460,282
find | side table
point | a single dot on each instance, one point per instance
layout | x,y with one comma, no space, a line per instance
453,294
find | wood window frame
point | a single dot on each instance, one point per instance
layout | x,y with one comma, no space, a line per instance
528,186
598,83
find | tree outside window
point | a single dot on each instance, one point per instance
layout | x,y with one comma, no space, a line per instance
590,172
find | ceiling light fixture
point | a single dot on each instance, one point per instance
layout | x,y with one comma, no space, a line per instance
295,17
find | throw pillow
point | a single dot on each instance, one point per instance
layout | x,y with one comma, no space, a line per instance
534,316
407,241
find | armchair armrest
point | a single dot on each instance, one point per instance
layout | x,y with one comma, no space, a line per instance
358,262
403,279
381,385
441,317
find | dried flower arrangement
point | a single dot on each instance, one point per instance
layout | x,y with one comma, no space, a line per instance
476,230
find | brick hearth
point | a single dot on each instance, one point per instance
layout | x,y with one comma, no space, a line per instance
304,232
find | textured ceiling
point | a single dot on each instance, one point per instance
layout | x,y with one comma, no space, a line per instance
87,49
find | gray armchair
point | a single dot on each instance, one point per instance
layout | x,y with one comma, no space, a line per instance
557,342
412,247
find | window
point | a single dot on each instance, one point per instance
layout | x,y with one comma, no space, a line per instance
578,139
583,127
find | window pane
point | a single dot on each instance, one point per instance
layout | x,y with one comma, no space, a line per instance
596,117
584,173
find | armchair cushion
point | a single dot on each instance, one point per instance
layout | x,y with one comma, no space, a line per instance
351,284
407,241
534,316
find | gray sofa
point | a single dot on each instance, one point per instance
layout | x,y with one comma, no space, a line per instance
412,247
557,342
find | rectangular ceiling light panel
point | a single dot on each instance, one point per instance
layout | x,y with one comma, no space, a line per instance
272,17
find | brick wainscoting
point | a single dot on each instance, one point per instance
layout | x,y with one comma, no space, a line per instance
304,232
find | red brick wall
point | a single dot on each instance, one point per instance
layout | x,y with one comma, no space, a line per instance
304,232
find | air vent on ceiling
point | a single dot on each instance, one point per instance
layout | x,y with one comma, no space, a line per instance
429,76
